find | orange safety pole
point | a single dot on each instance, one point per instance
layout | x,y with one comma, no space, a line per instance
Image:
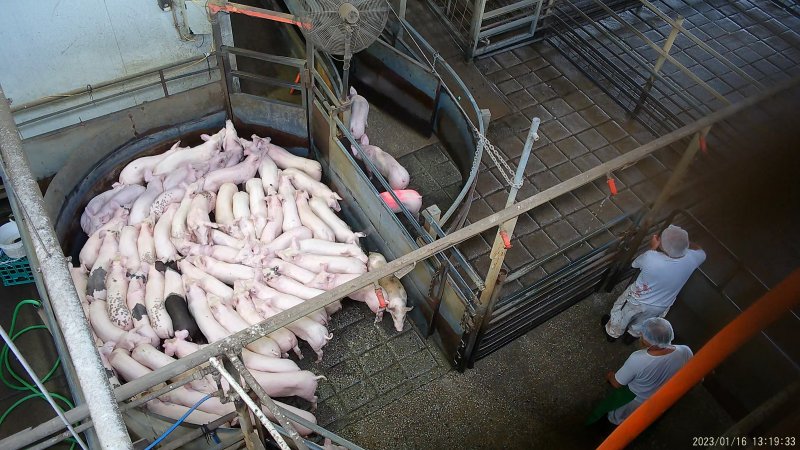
759,315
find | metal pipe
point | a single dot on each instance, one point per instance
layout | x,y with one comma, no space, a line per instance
48,316
669,58
701,43
40,386
66,305
237,340
109,97
479,128
265,400
249,402
93,88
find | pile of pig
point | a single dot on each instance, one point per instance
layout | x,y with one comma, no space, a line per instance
178,256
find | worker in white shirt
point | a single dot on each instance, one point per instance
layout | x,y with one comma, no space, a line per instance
643,373
665,268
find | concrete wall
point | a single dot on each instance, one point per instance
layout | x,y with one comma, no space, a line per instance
53,46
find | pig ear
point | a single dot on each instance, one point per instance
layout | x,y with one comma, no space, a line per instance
205,137
148,175
408,308
294,245
353,91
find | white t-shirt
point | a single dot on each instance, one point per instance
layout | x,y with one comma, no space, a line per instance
663,277
644,373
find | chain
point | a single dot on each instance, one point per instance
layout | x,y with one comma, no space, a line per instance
502,165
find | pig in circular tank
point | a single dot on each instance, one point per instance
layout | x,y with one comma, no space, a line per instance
99,177
82,180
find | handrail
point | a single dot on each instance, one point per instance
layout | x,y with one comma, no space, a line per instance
237,340
480,127
90,89
94,101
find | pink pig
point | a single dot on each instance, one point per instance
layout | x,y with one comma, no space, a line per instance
358,114
410,198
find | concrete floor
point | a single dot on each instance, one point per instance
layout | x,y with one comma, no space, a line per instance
534,393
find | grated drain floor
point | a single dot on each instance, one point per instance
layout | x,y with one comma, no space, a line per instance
367,366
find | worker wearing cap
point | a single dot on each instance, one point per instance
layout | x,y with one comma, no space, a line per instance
665,268
643,373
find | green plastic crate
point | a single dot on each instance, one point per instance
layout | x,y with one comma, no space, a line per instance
15,271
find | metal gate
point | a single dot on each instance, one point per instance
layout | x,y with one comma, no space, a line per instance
483,27
487,25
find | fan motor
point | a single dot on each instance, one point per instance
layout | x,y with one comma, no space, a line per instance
348,13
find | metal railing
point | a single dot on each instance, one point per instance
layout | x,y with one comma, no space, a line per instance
119,87
484,27
601,268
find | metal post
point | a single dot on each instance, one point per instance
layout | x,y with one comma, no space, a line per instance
498,287
506,230
57,280
679,172
245,423
401,15
223,63
234,383
308,89
673,34
265,400
475,27
431,214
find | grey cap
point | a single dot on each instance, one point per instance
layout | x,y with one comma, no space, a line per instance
674,241
657,331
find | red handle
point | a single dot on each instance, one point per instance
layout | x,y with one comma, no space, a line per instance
703,145
381,301
612,186
506,240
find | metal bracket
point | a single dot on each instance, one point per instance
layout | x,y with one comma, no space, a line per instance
344,106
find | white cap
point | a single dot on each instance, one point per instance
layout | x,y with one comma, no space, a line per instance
674,241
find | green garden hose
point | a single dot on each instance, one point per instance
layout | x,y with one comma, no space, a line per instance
5,363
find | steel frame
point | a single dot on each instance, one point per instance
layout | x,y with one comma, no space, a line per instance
484,24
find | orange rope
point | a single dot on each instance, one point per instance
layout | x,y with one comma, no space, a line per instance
759,315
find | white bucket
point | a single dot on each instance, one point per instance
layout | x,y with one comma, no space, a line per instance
10,241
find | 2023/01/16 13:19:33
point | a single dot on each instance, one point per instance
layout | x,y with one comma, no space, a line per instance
744,441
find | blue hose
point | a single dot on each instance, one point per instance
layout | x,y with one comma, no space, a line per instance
176,424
